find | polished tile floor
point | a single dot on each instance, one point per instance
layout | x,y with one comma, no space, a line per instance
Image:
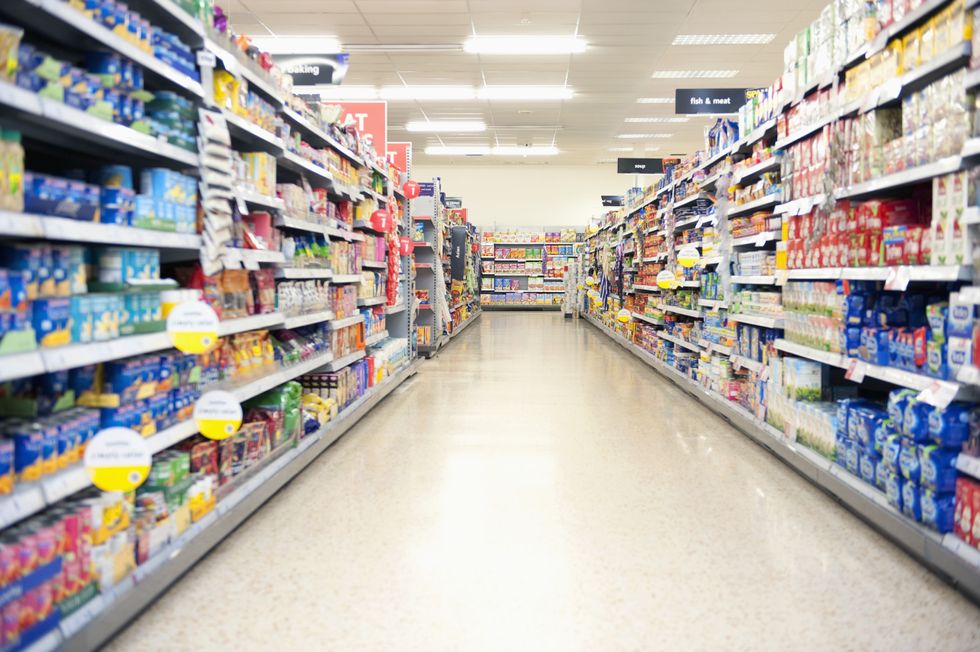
537,488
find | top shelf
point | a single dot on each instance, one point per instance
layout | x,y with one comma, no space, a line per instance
59,21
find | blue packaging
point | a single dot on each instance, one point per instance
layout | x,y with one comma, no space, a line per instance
938,468
894,489
868,462
959,323
950,427
852,341
82,320
28,443
50,321
885,428
912,501
117,206
936,360
897,401
938,510
25,259
908,462
853,458
916,423
877,346
881,474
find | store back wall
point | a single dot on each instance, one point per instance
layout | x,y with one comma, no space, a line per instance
529,195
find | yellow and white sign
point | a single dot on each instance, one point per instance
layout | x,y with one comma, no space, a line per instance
688,256
624,316
218,415
117,459
193,327
666,280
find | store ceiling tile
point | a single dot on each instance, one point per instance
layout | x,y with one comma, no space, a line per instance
628,41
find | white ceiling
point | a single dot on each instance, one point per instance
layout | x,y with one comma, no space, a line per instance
628,40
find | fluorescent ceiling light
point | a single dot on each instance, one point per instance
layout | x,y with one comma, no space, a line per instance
606,160
723,39
641,136
694,74
620,149
524,45
298,44
654,100
651,148
657,119
457,150
537,150
339,92
525,93
427,93
446,126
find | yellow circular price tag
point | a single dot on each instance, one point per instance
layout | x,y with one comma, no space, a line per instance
666,280
218,415
624,315
688,256
117,459
193,327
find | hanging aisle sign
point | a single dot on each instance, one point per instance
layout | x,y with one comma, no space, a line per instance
612,200
314,69
371,120
399,155
639,166
692,101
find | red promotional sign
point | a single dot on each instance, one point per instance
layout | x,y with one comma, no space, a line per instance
379,220
405,246
399,154
371,119
411,189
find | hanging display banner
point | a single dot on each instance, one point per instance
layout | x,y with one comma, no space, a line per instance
427,189
457,255
640,166
399,155
454,202
370,119
692,101
314,69
612,200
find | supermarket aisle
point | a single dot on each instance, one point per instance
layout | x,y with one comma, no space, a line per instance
537,488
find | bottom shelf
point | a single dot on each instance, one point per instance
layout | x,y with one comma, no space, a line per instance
97,621
947,555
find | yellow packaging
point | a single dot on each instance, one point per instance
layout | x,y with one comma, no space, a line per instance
226,90
910,46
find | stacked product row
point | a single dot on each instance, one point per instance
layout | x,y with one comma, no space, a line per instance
812,269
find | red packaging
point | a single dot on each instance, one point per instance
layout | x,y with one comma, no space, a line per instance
919,338
11,623
28,553
9,561
962,514
875,254
975,502
859,250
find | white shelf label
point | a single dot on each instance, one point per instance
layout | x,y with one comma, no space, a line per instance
898,279
782,275
856,371
206,59
761,240
939,394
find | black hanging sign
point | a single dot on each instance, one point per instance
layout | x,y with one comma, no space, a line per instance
314,69
692,101
640,166
612,200
454,202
